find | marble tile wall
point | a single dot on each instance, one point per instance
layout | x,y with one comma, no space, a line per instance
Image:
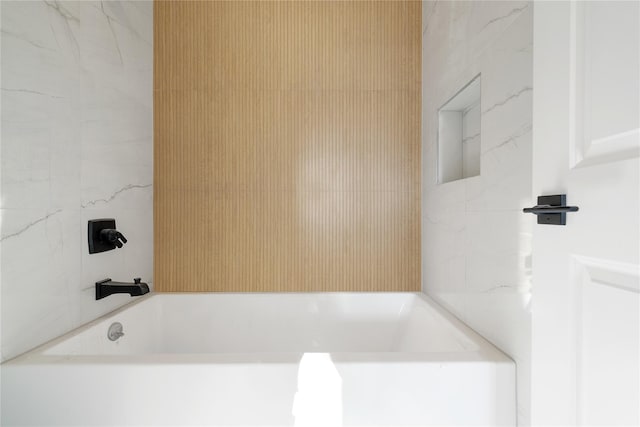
476,243
77,126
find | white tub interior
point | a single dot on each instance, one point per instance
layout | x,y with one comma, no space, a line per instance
272,323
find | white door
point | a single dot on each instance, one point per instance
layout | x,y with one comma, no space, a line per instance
586,144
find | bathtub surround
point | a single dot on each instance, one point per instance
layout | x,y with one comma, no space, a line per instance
287,146
76,94
476,242
306,359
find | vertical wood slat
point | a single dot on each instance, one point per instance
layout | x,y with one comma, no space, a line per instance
287,146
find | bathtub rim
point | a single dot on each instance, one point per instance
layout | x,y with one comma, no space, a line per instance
485,352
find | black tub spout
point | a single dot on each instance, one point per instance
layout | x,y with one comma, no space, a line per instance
107,287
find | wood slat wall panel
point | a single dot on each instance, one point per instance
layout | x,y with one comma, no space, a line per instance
287,146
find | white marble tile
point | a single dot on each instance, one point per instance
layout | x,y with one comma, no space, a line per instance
40,145
443,241
77,144
506,122
460,31
498,247
476,242
40,252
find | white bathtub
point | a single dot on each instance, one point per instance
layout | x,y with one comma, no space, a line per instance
265,359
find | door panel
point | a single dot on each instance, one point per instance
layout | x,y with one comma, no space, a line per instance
606,66
586,291
604,236
607,334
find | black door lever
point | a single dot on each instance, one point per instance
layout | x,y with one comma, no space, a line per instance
552,209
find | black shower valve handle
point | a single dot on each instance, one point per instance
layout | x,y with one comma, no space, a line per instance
103,235
120,239
113,236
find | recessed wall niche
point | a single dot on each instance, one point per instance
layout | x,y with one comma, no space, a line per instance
459,134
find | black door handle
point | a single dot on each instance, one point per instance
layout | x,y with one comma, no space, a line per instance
547,209
552,209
